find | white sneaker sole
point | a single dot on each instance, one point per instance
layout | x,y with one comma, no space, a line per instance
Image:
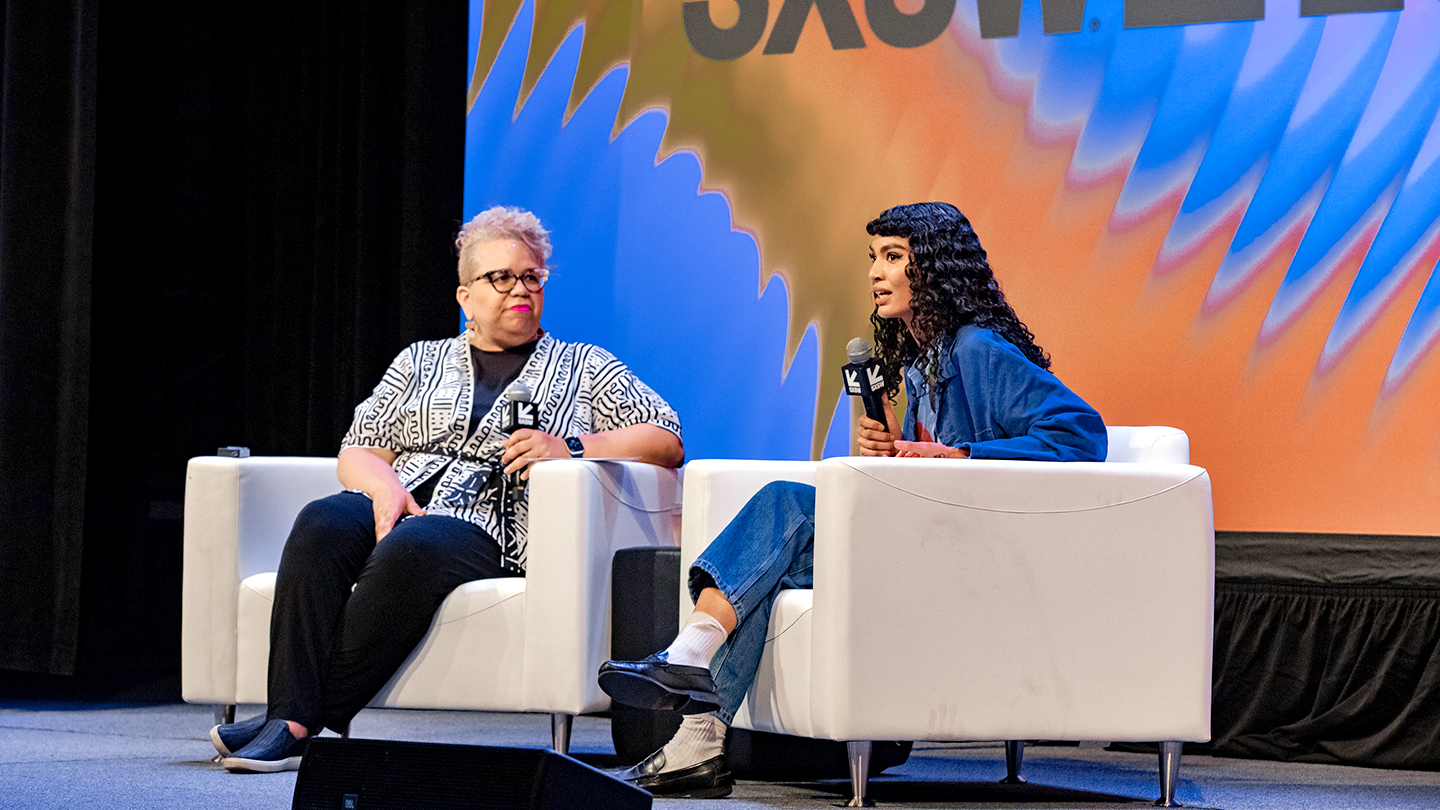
238,765
219,746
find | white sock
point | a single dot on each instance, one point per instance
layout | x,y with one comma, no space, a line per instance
701,636
701,737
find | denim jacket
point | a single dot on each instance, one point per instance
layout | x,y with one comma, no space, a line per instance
993,401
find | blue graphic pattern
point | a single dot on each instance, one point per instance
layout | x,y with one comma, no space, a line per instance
1318,129
645,265
1314,132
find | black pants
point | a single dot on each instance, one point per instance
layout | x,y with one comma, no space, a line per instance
332,649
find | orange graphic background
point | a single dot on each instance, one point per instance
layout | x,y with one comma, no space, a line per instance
808,146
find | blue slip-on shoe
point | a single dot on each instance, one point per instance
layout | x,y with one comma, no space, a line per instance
655,683
273,749
230,737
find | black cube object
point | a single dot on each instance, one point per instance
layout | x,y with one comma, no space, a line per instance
644,618
341,774
768,756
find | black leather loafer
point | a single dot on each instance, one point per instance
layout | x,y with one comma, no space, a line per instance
654,683
707,780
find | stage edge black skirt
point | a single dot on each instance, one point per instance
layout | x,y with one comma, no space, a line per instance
1327,649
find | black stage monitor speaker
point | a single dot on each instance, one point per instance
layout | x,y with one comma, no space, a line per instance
339,774
644,597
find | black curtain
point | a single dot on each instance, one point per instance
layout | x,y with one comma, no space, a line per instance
276,191
1327,648
1323,673
47,133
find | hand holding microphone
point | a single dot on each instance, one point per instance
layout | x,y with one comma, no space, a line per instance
521,420
865,378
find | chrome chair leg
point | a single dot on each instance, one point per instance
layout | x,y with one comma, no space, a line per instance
224,713
1014,755
560,725
859,753
1169,773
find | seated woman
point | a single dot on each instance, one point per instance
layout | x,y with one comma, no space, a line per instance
424,466
977,386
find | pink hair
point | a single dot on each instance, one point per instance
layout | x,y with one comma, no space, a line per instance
501,222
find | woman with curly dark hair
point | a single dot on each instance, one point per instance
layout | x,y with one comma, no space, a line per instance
977,387
951,284
976,383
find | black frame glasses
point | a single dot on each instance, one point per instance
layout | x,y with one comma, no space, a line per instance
504,280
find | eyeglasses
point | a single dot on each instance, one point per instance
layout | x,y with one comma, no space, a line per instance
504,281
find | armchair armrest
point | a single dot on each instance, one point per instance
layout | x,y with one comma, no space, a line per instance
1015,600
715,491
238,512
1155,443
581,513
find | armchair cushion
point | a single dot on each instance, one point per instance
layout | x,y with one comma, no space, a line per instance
779,700
467,657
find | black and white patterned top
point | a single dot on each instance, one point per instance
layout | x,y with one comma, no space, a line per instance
421,411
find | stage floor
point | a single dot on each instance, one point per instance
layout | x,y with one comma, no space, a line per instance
56,754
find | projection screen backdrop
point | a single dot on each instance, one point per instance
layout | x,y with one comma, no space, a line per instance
1221,215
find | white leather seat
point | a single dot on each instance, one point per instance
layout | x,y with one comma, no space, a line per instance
529,644
988,600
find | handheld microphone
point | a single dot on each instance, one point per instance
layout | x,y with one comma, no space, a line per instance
520,411
865,378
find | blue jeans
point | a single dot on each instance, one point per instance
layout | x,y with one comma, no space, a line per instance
770,545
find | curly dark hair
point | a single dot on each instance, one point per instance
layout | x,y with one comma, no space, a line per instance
951,284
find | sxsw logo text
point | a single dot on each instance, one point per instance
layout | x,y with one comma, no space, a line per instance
874,379
998,18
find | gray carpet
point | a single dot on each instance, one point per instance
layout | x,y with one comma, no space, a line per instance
116,755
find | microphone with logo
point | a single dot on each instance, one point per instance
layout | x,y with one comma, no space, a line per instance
519,412
865,378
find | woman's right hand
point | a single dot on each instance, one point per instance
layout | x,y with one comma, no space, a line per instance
392,504
875,439
368,470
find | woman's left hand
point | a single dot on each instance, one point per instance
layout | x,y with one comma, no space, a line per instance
526,445
905,449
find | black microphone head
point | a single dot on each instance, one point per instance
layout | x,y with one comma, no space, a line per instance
859,350
519,391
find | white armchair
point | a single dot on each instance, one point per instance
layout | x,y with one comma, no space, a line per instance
988,600
529,644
